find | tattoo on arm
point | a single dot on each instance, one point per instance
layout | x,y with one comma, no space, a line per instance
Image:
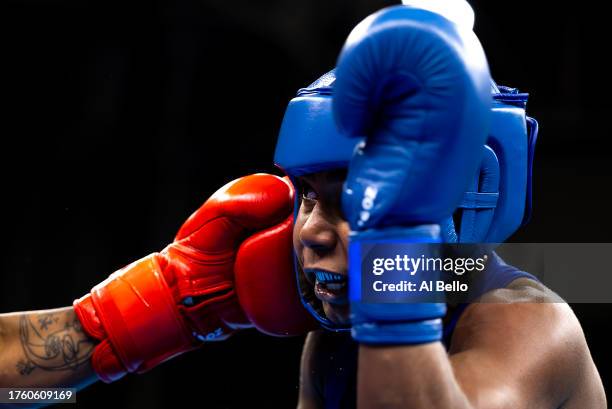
52,342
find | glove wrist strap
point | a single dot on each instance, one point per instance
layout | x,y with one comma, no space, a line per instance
388,319
135,316
403,333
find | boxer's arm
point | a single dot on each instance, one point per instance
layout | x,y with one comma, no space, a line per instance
45,348
502,356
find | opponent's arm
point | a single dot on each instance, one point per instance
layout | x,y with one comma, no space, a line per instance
231,254
44,348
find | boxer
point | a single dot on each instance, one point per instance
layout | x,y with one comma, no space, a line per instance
391,158
495,354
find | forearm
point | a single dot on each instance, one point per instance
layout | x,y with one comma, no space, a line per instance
44,348
410,377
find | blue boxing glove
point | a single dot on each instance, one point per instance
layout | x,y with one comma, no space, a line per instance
417,85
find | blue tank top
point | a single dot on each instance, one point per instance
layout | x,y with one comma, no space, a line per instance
339,383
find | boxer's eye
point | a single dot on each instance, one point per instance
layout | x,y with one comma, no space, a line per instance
309,194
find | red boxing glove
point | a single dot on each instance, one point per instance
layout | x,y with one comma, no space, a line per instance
236,246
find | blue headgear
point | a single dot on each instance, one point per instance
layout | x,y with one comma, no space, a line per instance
496,203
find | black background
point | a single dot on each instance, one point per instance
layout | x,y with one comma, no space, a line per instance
120,118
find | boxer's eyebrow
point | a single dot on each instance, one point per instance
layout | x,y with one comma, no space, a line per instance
315,181
335,175
328,184
309,178
305,180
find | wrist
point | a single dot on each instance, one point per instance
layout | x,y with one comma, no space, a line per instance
134,315
394,333
380,258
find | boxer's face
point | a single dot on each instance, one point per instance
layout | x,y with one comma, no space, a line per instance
320,239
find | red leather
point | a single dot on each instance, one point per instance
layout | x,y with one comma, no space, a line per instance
121,308
236,246
266,283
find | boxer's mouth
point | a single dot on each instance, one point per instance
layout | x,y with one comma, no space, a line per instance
328,286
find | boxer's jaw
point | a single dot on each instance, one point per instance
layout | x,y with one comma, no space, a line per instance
320,240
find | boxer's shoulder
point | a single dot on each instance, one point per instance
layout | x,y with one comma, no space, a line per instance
521,290
523,306
527,329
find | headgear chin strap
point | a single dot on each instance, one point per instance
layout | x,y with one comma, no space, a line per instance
495,204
